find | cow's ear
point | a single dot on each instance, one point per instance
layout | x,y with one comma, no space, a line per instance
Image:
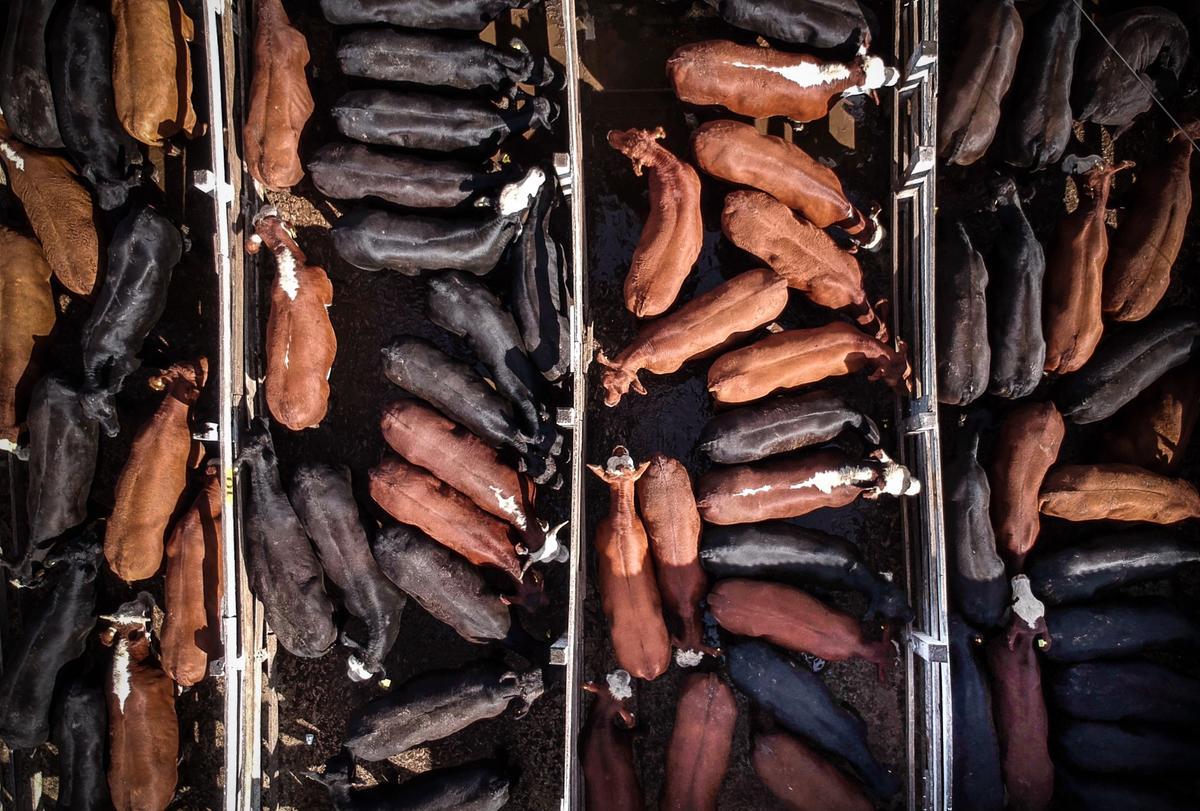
106,636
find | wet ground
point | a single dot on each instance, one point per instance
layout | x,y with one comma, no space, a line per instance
625,47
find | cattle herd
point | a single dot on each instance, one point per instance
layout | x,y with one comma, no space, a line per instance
1066,371
1070,374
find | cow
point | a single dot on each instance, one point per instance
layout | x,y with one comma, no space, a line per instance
1107,561
978,583
464,15
437,704
280,102
764,82
964,356
783,762
25,90
80,48
26,319
281,567
1144,248
143,729
541,295
300,344
1156,429
815,23
436,123
798,357
80,734
801,253
701,743
797,485
143,253
1117,628
152,483
193,586
969,111
325,505
704,324
978,782
346,170
1115,492
738,153
668,510
377,239
152,69
59,210
481,785
1130,691
610,775
1018,347
673,234
1026,446
54,633
1039,129
63,447
420,57
628,587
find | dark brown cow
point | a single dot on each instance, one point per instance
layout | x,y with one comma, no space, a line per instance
152,69
143,730
1112,492
26,318
673,234
802,356
738,153
704,324
764,82
301,344
668,508
628,589
701,742
280,103
610,779
1071,303
154,478
192,587
1155,429
802,779
801,253
1026,446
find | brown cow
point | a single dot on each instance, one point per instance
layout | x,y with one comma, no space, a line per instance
802,779
701,742
26,318
610,779
469,465
1113,492
1071,300
153,481
699,327
797,485
143,730
280,103
668,508
152,69
192,587
297,382
738,153
673,234
801,253
59,209
414,497
1026,446
802,356
1155,429
792,619
1144,248
764,82
628,590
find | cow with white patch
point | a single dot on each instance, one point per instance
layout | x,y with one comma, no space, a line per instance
143,730
301,343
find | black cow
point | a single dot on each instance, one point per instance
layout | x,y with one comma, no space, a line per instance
55,633
81,736
1040,127
350,171
324,502
391,55
437,123
1015,299
25,93
482,785
145,249
815,23
80,45
541,292
465,15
